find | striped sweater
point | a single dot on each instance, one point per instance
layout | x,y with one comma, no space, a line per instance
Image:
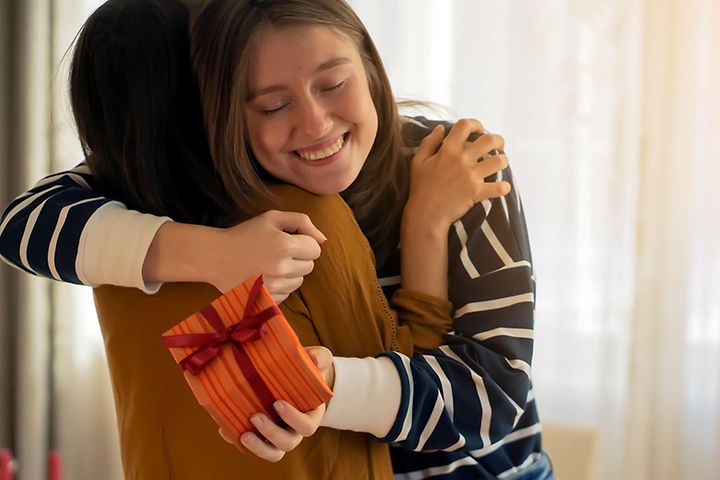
467,410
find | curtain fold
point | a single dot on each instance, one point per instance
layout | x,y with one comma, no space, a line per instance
676,339
27,155
8,279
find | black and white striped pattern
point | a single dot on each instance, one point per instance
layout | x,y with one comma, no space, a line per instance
40,231
471,401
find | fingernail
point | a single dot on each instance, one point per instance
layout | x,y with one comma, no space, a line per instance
257,420
279,406
246,437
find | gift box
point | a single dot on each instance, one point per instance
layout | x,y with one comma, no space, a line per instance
239,355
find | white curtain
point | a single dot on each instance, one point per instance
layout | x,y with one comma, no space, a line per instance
610,111
674,414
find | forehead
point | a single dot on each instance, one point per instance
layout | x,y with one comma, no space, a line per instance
297,50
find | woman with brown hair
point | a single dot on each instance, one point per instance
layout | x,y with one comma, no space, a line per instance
294,91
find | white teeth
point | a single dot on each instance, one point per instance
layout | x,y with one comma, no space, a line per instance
325,152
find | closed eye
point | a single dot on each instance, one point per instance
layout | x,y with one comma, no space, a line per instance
275,110
337,86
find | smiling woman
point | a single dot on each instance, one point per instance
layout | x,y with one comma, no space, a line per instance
316,126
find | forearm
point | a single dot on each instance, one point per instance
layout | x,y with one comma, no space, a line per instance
178,252
422,301
424,253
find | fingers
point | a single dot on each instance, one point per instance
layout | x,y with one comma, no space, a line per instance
281,287
484,145
261,448
495,189
323,359
461,131
487,190
492,165
279,441
304,424
303,247
430,144
288,275
278,437
279,297
293,222
321,356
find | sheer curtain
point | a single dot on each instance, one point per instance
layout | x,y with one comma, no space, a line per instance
610,111
676,330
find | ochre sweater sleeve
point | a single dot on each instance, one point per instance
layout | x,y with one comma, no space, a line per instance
426,317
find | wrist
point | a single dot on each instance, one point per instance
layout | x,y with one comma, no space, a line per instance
181,253
419,221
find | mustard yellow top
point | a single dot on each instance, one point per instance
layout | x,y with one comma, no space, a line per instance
165,433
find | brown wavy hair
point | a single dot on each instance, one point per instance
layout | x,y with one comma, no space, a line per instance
223,39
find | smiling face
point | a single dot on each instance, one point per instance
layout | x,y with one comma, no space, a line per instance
310,117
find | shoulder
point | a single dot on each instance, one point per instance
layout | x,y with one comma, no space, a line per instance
414,129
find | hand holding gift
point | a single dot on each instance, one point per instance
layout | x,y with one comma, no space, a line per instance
278,441
240,357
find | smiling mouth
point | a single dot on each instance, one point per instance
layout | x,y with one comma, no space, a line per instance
323,153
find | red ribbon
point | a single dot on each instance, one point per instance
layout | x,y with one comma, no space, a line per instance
249,328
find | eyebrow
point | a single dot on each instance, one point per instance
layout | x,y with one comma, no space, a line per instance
332,63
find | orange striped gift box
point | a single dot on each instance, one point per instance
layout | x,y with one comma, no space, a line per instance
239,355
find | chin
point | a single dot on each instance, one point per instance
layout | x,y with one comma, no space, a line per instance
329,188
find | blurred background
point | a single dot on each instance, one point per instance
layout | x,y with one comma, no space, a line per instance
611,114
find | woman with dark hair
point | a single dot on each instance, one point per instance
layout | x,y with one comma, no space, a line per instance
312,59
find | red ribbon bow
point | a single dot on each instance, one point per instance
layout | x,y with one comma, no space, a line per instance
249,328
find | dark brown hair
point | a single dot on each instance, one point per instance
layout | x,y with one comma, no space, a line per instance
223,37
137,111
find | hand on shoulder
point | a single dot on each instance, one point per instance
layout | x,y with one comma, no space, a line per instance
447,174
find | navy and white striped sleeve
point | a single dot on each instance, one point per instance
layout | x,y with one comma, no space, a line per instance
473,390
40,231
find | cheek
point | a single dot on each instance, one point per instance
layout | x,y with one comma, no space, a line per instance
363,112
264,141
370,118
259,147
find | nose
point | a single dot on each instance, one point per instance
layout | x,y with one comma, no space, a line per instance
314,119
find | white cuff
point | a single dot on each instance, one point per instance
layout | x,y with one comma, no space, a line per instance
113,246
366,396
